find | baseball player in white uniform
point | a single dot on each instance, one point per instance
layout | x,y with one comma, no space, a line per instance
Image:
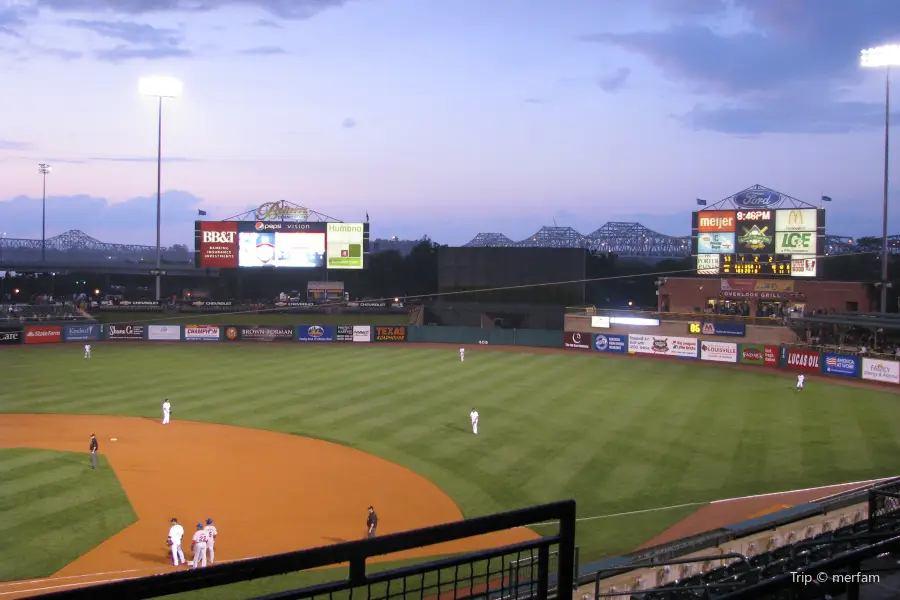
211,534
474,417
167,411
800,380
198,545
176,533
462,355
87,350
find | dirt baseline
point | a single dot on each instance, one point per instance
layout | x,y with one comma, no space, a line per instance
268,492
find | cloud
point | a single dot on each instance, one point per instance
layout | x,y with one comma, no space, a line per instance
144,159
124,53
793,51
132,221
689,8
284,9
61,53
263,51
127,31
13,145
348,123
12,19
269,23
535,100
614,82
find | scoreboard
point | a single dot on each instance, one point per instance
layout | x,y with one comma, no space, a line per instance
783,242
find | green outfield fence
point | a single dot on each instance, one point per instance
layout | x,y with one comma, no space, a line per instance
834,362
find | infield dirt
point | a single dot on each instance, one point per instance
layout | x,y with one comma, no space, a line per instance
267,492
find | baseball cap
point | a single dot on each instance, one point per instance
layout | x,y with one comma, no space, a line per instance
371,508
199,525
209,521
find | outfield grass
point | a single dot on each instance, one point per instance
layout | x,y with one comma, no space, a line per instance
264,318
616,434
53,509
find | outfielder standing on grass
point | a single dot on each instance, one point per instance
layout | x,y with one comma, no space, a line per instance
94,448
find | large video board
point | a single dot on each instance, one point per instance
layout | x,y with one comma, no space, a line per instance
280,244
782,242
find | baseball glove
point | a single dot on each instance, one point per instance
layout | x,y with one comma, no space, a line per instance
169,542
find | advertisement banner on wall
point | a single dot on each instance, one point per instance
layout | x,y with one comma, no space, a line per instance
390,334
315,333
715,243
719,351
801,360
202,333
662,346
264,333
9,337
343,333
722,329
81,333
885,371
362,333
164,333
758,354
43,334
576,340
611,343
840,364
125,332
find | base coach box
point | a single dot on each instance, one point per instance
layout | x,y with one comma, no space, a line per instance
9,337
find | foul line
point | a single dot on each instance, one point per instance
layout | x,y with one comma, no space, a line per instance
674,506
582,519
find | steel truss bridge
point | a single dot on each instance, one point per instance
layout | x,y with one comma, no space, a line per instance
633,239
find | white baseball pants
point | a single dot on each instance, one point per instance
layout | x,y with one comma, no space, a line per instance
475,427
199,555
165,417
211,550
177,554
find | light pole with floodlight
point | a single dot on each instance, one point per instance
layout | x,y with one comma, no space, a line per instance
159,88
44,169
884,57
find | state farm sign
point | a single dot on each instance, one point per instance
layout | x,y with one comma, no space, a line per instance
217,244
802,360
43,334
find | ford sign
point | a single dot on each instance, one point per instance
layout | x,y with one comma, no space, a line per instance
757,199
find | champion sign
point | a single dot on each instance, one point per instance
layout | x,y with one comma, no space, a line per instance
201,333
81,333
315,333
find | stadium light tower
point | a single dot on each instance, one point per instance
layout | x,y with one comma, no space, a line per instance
44,169
884,57
159,88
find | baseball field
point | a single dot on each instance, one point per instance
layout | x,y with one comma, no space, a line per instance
285,445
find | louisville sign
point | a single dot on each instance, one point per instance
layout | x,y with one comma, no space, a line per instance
662,346
840,364
758,354
164,333
801,360
81,333
125,332
719,351
577,340
611,343
43,334
202,333
885,371
315,333
9,337
390,334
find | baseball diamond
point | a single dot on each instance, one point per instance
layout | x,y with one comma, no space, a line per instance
300,438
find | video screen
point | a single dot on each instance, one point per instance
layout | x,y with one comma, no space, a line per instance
281,249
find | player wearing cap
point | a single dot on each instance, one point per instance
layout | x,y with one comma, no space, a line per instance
176,533
371,522
198,545
473,416
167,411
211,534
94,448
462,355
87,350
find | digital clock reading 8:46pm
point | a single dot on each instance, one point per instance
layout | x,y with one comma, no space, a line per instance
756,264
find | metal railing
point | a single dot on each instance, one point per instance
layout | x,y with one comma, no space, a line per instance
846,350
472,575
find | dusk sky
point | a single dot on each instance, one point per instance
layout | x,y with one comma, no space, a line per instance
441,118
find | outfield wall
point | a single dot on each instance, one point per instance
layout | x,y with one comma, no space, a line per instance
785,357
